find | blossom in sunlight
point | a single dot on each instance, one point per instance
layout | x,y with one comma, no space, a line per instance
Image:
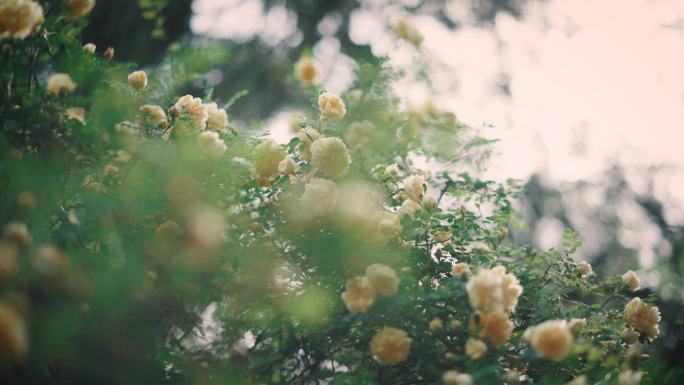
436,324
384,226
206,232
642,316
630,335
320,197
330,156
111,170
306,137
76,113
268,155
392,170
631,280
17,233
414,187
630,377
218,117
584,269
331,106
452,377
195,109
495,328
409,207
137,80
60,82
79,8
390,346
383,278
153,114
287,166
494,291
429,202
90,48
460,270
9,254
405,30
552,339
475,349
359,133
13,335
359,296
296,120
357,201
577,324
442,236
211,144
579,380
19,18
306,72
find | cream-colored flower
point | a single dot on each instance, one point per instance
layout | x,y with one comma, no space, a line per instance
579,380
287,166
111,170
123,156
137,80
630,335
460,270
475,349
552,339
442,236
494,328
494,291
358,200
17,233
19,18
306,72
383,278
60,82
577,324
90,48
218,117
631,279
268,155
109,53
409,207
13,335
642,316
206,231
330,156
79,8
211,144
76,113
195,109
455,325
390,346
359,133
152,114
414,187
452,377
306,137
429,202
405,30
297,119
392,170
320,197
331,106
630,377
359,296
384,226
584,269
436,324
9,254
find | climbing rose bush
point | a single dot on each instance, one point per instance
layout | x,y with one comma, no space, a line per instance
148,238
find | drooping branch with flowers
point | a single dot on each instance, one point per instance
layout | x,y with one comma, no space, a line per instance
145,232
